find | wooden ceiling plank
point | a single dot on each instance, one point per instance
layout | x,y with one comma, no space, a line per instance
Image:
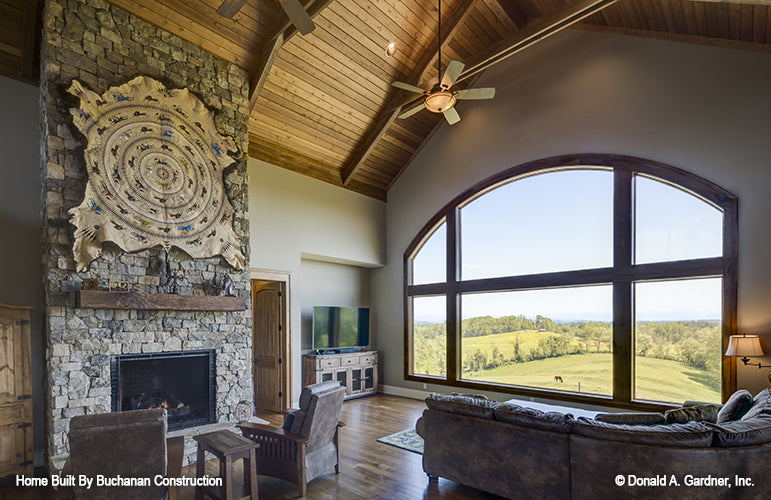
494,19
315,97
28,59
768,25
305,136
305,132
187,29
450,28
337,66
759,24
332,82
258,74
386,118
342,38
237,33
534,32
677,37
691,18
748,25
297,111
395,24
514,12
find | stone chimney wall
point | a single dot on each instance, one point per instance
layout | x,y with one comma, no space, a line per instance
103,46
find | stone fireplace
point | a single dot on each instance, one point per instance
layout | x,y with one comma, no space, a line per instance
87,346
182,382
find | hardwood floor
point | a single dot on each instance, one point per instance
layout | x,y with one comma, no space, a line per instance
370,470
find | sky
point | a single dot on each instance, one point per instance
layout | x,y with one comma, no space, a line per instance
562,221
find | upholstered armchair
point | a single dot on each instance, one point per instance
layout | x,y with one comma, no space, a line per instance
130,444
308,445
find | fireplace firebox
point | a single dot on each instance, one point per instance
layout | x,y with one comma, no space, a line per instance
182,382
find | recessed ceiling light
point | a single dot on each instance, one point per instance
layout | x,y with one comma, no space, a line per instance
391,49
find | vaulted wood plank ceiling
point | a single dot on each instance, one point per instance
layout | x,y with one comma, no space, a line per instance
323,104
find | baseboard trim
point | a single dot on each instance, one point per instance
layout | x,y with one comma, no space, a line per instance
403,392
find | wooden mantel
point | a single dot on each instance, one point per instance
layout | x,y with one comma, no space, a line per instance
96,299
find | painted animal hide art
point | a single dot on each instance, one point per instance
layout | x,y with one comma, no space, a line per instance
155,163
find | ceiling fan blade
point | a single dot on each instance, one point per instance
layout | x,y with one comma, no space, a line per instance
452,73
484,93
412,111
296,12
230,8
407,86
451,115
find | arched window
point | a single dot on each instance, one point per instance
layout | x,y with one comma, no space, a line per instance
594,278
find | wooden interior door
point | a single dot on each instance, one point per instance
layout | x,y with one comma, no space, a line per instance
267,309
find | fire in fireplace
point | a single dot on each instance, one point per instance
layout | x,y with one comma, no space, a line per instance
182,382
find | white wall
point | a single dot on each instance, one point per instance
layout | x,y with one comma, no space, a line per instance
296,224
328,284
702,109
20,266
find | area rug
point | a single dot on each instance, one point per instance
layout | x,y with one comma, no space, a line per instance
408,440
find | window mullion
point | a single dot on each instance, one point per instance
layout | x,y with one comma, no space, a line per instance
623,303
453,306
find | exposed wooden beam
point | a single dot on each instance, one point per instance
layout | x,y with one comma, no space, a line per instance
259,74
305,165
533,33
678,37
390,110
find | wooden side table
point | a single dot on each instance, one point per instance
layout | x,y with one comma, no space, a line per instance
227,447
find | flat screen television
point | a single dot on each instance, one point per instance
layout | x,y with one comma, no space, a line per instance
338,328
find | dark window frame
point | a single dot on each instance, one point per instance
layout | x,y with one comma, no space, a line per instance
621,275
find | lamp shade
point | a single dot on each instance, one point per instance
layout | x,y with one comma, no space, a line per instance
744,345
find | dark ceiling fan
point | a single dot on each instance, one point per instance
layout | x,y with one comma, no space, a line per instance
293,8
441,98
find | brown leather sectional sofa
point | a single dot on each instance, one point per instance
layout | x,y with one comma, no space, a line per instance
519,452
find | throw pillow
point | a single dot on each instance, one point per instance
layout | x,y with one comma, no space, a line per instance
633,418
737,405
700,413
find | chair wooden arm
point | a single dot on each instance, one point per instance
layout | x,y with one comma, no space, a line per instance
250,429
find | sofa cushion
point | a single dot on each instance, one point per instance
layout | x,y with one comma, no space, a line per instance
761,405
737,405
632,418
531,417
692,434
742,432
700,413
462,404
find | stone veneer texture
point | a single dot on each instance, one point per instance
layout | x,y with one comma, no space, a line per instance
103,46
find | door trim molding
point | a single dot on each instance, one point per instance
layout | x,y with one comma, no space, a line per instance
284,277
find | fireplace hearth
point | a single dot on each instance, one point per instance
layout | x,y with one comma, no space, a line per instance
182,382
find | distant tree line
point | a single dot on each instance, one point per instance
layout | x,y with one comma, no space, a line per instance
696,343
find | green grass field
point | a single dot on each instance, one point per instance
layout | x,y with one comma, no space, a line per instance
657,379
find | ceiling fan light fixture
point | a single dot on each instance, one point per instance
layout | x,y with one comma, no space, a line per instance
440,101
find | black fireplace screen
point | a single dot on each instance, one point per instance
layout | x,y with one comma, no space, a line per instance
182,382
